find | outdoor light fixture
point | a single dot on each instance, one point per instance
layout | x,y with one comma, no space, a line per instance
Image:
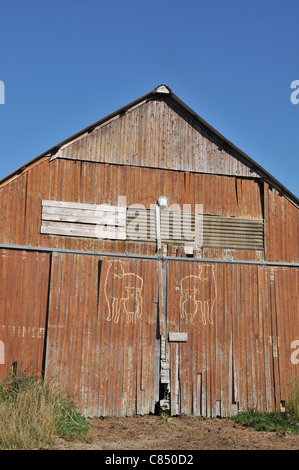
163,202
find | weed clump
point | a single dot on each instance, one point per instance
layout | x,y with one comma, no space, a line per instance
33,412
286,421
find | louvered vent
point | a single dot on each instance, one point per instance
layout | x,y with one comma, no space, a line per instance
113,222
176,227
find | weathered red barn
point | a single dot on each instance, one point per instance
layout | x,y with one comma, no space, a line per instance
146,263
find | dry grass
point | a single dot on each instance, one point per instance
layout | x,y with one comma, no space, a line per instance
33,413
293,398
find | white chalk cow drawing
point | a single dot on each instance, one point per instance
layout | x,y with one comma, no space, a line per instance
126,293
191,301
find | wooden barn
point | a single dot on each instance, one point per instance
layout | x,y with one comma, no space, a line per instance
147,263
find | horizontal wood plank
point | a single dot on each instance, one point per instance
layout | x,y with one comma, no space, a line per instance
102,233
83,220
177,337
106,219
84,206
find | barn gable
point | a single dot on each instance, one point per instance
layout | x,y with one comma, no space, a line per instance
177,139
157,132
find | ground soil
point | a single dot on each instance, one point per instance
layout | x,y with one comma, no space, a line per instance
176,433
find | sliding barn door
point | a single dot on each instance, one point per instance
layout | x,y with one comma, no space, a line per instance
229,335
192,303
102,343
24,280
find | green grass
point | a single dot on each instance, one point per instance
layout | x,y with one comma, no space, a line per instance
268,421
69,421
287,421
34,412
292,406
274,421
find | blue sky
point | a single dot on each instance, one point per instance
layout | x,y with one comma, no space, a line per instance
65,64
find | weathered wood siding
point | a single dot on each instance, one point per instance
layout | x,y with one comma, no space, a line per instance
104,322
157,134
24,281
241,322
102,333
236,325
281,227
94,183
75,219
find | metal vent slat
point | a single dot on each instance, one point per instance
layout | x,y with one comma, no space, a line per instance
176,227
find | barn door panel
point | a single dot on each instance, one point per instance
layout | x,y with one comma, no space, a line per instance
284,336
128,311
102,332
24,280
226,342
73,328
191,307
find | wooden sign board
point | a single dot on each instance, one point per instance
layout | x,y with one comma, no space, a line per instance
178,337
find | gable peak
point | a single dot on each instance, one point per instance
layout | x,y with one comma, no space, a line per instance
163,89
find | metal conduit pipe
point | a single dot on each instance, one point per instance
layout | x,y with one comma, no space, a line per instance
152,257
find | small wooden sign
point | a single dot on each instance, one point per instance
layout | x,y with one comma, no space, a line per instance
178,337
